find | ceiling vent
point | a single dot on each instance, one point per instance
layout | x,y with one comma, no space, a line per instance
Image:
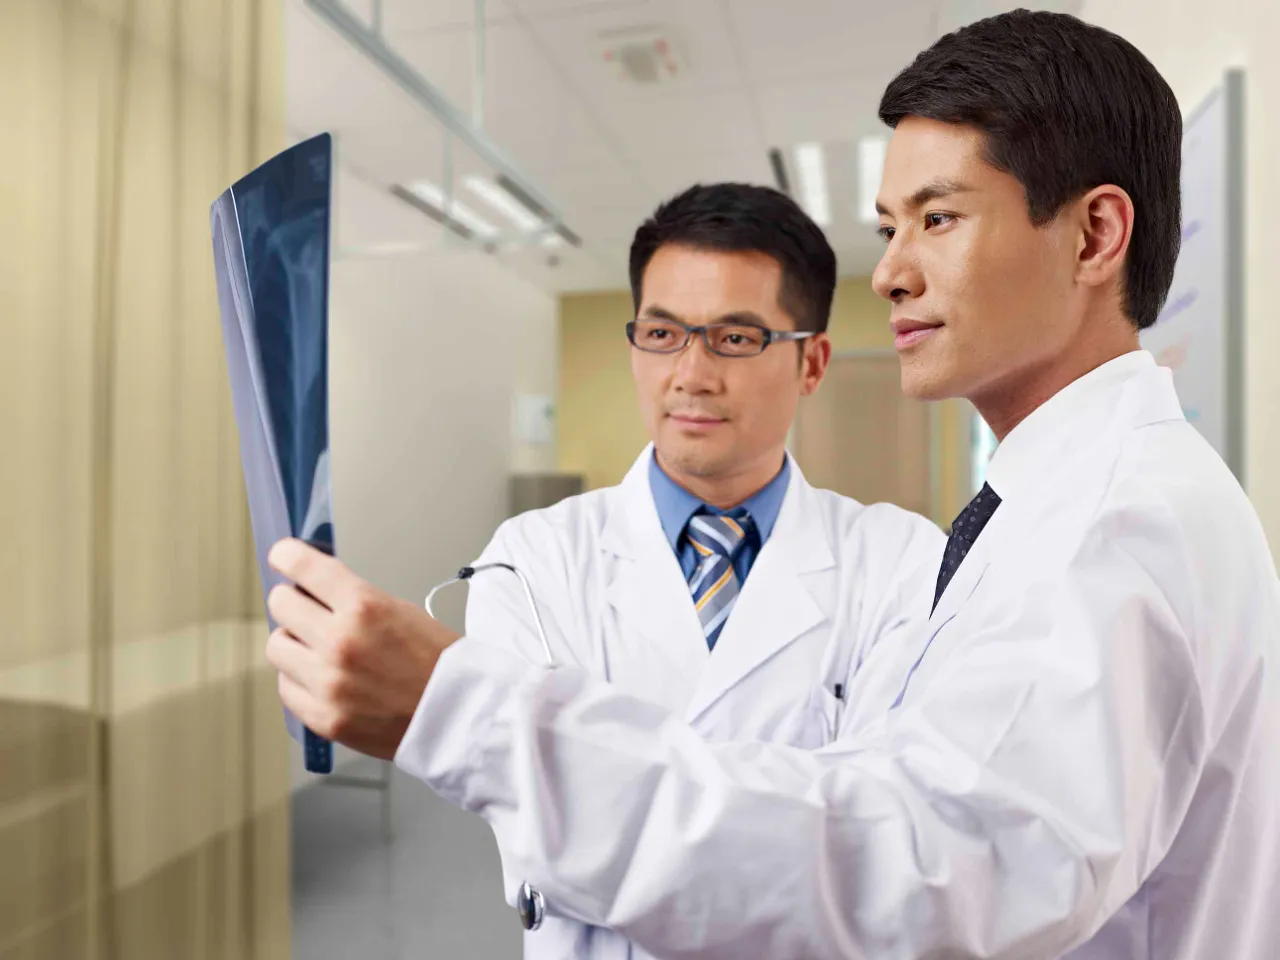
645,56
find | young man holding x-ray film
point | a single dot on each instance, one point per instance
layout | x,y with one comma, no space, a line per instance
1075,753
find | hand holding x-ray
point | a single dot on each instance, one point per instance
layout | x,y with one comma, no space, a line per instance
271,254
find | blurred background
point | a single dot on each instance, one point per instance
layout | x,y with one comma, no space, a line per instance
493,160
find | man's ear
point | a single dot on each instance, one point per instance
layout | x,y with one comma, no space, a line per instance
815,358
1104,220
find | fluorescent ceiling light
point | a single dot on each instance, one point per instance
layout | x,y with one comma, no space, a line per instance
505,204
871,151
811,170
431,194
530,203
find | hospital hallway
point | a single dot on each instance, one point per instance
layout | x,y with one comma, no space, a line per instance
433,890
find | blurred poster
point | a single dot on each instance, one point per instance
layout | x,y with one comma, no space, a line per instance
1200,332
271,256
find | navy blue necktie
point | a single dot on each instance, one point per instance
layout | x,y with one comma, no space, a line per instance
964,533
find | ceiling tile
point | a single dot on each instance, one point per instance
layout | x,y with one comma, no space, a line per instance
401,17
702,48
515,71
834,109
564,9
805,39
670,174
551,139
706,123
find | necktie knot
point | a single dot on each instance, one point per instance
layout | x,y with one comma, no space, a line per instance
719,534
976,514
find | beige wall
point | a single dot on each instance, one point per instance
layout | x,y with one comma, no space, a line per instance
600,429
1191,42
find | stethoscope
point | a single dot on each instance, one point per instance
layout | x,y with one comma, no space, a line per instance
466,573
529,901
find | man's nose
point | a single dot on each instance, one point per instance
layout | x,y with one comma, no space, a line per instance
697,368
897,276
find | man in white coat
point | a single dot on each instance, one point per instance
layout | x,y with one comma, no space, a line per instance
1077,755
715,581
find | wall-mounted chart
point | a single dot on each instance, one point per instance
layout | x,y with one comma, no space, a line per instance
1200,332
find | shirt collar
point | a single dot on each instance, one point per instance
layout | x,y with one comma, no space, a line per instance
1077,409
676,505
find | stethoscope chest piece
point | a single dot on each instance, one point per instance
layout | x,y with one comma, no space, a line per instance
531,906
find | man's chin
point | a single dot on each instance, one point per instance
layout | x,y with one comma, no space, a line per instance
925,382
692,460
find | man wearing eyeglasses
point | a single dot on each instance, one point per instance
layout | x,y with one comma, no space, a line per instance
714,582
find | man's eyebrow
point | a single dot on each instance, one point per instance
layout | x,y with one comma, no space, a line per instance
933,190
744,317
656,312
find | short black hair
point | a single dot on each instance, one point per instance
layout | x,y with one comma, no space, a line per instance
740,218
1065,107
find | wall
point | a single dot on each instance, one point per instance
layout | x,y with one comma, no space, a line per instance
427,352
1191,49
601,432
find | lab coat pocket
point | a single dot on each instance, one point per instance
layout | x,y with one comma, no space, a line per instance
815,723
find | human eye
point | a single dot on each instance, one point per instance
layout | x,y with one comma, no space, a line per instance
656,331
740,338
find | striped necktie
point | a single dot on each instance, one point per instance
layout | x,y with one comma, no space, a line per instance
714,583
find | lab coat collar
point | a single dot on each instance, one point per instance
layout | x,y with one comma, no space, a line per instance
647,589
633,516
1049,433
775,608
1090,414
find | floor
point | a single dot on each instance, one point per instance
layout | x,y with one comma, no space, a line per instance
433,890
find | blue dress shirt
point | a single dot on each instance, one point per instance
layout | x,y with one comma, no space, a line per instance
676,506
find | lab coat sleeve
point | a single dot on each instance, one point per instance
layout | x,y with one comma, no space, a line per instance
1005,810
497,608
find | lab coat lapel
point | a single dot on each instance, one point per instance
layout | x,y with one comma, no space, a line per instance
646,588
1146,398
778,603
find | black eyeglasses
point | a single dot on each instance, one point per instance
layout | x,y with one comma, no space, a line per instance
723,339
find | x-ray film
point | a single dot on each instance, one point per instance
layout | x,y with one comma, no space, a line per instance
271,255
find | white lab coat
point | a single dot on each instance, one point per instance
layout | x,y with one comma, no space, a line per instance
835,578
1078,753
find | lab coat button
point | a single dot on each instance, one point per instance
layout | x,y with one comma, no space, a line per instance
531,906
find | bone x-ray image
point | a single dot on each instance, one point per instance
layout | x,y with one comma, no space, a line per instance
271,255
